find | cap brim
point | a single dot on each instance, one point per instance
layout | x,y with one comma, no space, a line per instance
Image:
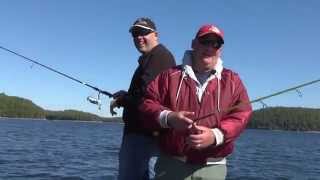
140,26
211,36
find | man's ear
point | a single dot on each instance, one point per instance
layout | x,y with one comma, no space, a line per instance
219,51
156,35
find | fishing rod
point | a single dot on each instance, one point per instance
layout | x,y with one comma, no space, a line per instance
263,98
92,100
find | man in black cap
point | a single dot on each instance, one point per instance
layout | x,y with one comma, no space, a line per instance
139,150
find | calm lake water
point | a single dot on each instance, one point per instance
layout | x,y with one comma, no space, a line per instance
62,150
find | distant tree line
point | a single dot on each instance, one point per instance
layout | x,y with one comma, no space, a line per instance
17,107
284,118
71,115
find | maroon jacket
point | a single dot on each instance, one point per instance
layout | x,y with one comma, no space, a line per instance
161,95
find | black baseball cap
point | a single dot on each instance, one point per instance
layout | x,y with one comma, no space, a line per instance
145,23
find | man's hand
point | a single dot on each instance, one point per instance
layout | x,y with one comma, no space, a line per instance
114,103
200,137
180,120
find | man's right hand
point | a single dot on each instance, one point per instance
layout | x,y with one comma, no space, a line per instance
180,120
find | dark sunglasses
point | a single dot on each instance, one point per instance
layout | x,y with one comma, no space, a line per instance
140,32
211,43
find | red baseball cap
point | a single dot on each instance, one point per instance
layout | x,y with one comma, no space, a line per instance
210,29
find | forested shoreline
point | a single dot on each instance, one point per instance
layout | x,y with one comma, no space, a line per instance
276,118
17,107
286,118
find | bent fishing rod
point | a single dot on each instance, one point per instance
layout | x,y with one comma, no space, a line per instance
262,98
90,99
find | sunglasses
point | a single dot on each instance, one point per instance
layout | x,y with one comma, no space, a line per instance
211,43
140,32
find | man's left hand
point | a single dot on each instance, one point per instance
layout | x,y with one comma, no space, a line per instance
200,137
113,104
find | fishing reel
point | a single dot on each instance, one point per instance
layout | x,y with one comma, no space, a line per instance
95,100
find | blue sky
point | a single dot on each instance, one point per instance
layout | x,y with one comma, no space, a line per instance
272,44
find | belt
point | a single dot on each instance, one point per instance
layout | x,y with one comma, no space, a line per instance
210,160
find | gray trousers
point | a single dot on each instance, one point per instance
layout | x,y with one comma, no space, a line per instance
170,168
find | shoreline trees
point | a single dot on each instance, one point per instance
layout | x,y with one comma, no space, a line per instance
277,118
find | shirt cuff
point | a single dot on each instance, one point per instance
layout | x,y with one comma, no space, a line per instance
218,135
163,118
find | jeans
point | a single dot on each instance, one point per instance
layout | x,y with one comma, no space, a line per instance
137,157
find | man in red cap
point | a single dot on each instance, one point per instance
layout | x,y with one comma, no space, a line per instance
199,109
139,150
